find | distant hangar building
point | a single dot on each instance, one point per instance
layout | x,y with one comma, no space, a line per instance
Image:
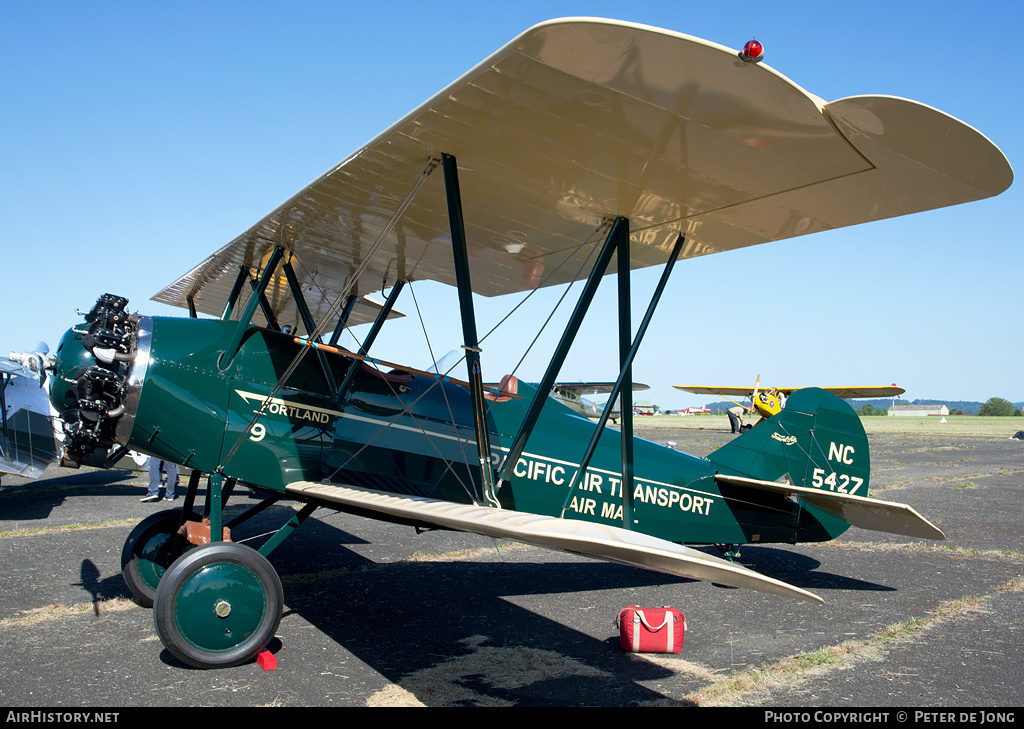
914,411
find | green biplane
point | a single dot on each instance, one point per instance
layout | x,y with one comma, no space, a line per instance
582,148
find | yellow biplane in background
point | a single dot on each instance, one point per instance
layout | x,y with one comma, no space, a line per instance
769,401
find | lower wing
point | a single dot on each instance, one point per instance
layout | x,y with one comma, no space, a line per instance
571,535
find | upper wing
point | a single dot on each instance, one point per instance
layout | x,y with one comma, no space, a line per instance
578,121
593,388
854,392
571,535
843,392
701,390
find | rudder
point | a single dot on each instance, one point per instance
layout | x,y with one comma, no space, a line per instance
817,441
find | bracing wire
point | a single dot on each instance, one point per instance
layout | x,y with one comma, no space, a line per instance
335,307
449,465
534,290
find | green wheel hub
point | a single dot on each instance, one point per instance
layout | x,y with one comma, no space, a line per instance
220,605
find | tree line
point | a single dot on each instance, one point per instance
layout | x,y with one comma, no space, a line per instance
994,406
998,406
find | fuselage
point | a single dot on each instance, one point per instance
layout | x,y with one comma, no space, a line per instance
392,431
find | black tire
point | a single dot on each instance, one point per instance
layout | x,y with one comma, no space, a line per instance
149,552
219,605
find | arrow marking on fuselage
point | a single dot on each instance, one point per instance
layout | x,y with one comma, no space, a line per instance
298,411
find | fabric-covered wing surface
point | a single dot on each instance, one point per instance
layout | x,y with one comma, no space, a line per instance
859,511
596,540
843,392
593,388
578,121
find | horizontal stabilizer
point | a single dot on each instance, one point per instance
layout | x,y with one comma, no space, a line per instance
596,540
859,511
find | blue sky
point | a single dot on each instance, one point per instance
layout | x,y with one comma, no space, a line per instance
136,138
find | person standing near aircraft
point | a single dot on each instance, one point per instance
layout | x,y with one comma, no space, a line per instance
171,469
736,418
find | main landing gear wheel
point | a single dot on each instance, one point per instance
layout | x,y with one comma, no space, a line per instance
219,605
149,551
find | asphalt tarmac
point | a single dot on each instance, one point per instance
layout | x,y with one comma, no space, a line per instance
379,615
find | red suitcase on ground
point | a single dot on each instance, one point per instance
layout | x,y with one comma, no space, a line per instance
651,630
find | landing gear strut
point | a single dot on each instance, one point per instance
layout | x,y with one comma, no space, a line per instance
215,604
730,551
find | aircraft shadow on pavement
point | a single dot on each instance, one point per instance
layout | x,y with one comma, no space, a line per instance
407,619
29,500
411,621
801,570
441,628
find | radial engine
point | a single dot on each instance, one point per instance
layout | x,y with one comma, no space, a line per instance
93,367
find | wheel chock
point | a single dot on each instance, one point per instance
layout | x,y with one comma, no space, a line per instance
267,661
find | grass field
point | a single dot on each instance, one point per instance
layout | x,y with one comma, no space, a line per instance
954,425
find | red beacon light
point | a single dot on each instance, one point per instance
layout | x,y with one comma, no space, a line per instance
752,52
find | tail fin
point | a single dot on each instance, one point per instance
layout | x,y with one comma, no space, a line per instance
815,452
817,441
